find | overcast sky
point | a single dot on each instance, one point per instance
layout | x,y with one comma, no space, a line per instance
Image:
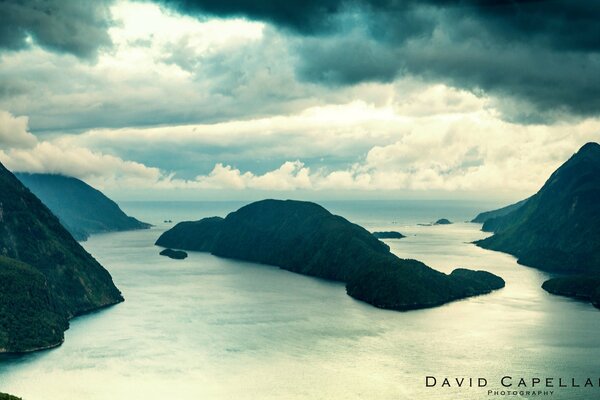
310,99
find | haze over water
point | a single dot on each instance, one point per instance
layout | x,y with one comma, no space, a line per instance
212,328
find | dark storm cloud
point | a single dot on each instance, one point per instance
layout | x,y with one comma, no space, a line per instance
70,26
303,16
567,24
544,55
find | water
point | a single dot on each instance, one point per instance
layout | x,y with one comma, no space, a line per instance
211,328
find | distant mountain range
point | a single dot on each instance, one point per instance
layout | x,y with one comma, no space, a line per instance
304,237
46,277
487,217
82,209
558,228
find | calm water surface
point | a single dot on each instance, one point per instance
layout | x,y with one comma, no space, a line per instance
211,328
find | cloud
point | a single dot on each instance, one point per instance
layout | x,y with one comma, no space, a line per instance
65,26
532,82
83,163
540,58
305,16
22,151
162,69
291,175
334,132
550,22
468,150
13,131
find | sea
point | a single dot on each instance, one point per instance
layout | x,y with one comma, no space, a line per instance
213,328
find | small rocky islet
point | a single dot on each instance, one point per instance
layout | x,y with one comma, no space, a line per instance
174,254
388,235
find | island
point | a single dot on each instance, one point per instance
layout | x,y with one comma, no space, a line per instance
388,235
442,221
558,228
305,238
46,277
81,209
174,254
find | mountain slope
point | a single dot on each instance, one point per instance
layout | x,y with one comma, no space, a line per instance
485,217
41,258
305,238
29,316
82,209
580,287
557,229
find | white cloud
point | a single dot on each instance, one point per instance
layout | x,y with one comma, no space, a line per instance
13,131
22,151
470,151
291,175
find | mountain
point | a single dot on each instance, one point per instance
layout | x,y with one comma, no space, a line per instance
558,228
82,209
46,277
484,217
305,238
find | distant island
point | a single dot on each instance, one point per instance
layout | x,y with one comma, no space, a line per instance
442,221
305,238
388,235
82,209
174,254
558,228
46,277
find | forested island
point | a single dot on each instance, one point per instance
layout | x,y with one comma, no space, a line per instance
305,238
46,277
388,235
82,209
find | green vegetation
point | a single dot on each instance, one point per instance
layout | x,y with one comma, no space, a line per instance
388,235
4,396
174,254
442,221
82,209
29,315
192,235
579,286
304,237
47,276
558,228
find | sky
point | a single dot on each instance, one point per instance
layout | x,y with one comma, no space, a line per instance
348,99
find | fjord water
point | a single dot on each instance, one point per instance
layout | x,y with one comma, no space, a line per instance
212,328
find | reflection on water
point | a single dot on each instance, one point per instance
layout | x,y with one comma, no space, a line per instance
210,328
